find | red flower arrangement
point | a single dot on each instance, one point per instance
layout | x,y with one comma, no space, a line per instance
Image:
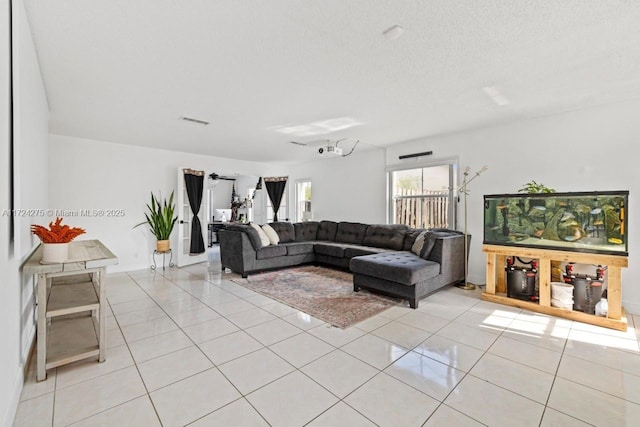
56,233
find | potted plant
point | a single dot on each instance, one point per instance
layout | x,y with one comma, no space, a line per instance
533,187
55,240
161,220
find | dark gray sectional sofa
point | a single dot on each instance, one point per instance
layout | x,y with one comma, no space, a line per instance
379,256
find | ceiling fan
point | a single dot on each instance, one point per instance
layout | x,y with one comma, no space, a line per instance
215,177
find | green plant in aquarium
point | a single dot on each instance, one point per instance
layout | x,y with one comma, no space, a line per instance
535,187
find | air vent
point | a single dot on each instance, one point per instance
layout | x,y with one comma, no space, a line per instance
393,32
409,156
192,120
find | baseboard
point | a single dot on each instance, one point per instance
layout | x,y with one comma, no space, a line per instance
476,279
631,308
19,382
10,415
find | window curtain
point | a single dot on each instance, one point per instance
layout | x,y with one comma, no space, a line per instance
194,183
275,189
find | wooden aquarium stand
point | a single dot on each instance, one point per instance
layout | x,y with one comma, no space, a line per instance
497,284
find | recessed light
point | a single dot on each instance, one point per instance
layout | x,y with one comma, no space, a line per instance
319,127
196,121
393,32
495,95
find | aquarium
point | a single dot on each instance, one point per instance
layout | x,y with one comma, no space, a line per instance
594,222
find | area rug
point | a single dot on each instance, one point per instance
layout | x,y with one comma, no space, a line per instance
324,293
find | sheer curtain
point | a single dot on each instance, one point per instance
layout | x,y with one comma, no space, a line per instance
275,189
194,183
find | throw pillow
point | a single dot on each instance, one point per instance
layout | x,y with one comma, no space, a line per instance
271,234
417,246
263,237
429,242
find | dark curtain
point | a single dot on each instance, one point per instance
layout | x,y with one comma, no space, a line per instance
194,185
275,190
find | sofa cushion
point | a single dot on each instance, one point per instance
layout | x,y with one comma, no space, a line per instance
386,236
299,248
285,231
264,239
329,248
410,238
271,251
306,231
327,231
253,235
418,244
400,267
351,251
274,239
351,232
437,233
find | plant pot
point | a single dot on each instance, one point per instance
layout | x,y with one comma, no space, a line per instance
55,253
162,245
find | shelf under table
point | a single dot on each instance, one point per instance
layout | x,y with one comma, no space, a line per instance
70,339
72,298
617,324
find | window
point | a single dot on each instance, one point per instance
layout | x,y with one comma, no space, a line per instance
303,200
423,197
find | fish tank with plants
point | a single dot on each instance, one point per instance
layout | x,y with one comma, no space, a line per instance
593,222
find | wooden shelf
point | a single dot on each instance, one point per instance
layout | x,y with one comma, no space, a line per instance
72,298
579,316
66,280
71,339
71,301
496,282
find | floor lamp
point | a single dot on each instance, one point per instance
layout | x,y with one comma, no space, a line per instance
464,189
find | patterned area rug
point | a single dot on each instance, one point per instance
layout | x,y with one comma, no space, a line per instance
321,292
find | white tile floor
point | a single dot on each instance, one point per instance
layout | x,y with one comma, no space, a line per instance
189,347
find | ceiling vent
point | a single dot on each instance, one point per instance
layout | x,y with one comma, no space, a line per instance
393,32
196,121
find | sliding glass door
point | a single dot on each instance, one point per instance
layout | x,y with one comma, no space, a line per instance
423,197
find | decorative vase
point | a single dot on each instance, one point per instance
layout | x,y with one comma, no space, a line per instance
162,245
55,253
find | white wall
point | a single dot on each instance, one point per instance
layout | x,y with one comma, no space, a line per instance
349,188
30,192
9,366
587,150
90,174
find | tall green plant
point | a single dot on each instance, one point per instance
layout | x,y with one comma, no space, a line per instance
160,217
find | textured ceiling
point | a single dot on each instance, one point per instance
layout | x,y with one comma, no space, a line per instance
126,71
